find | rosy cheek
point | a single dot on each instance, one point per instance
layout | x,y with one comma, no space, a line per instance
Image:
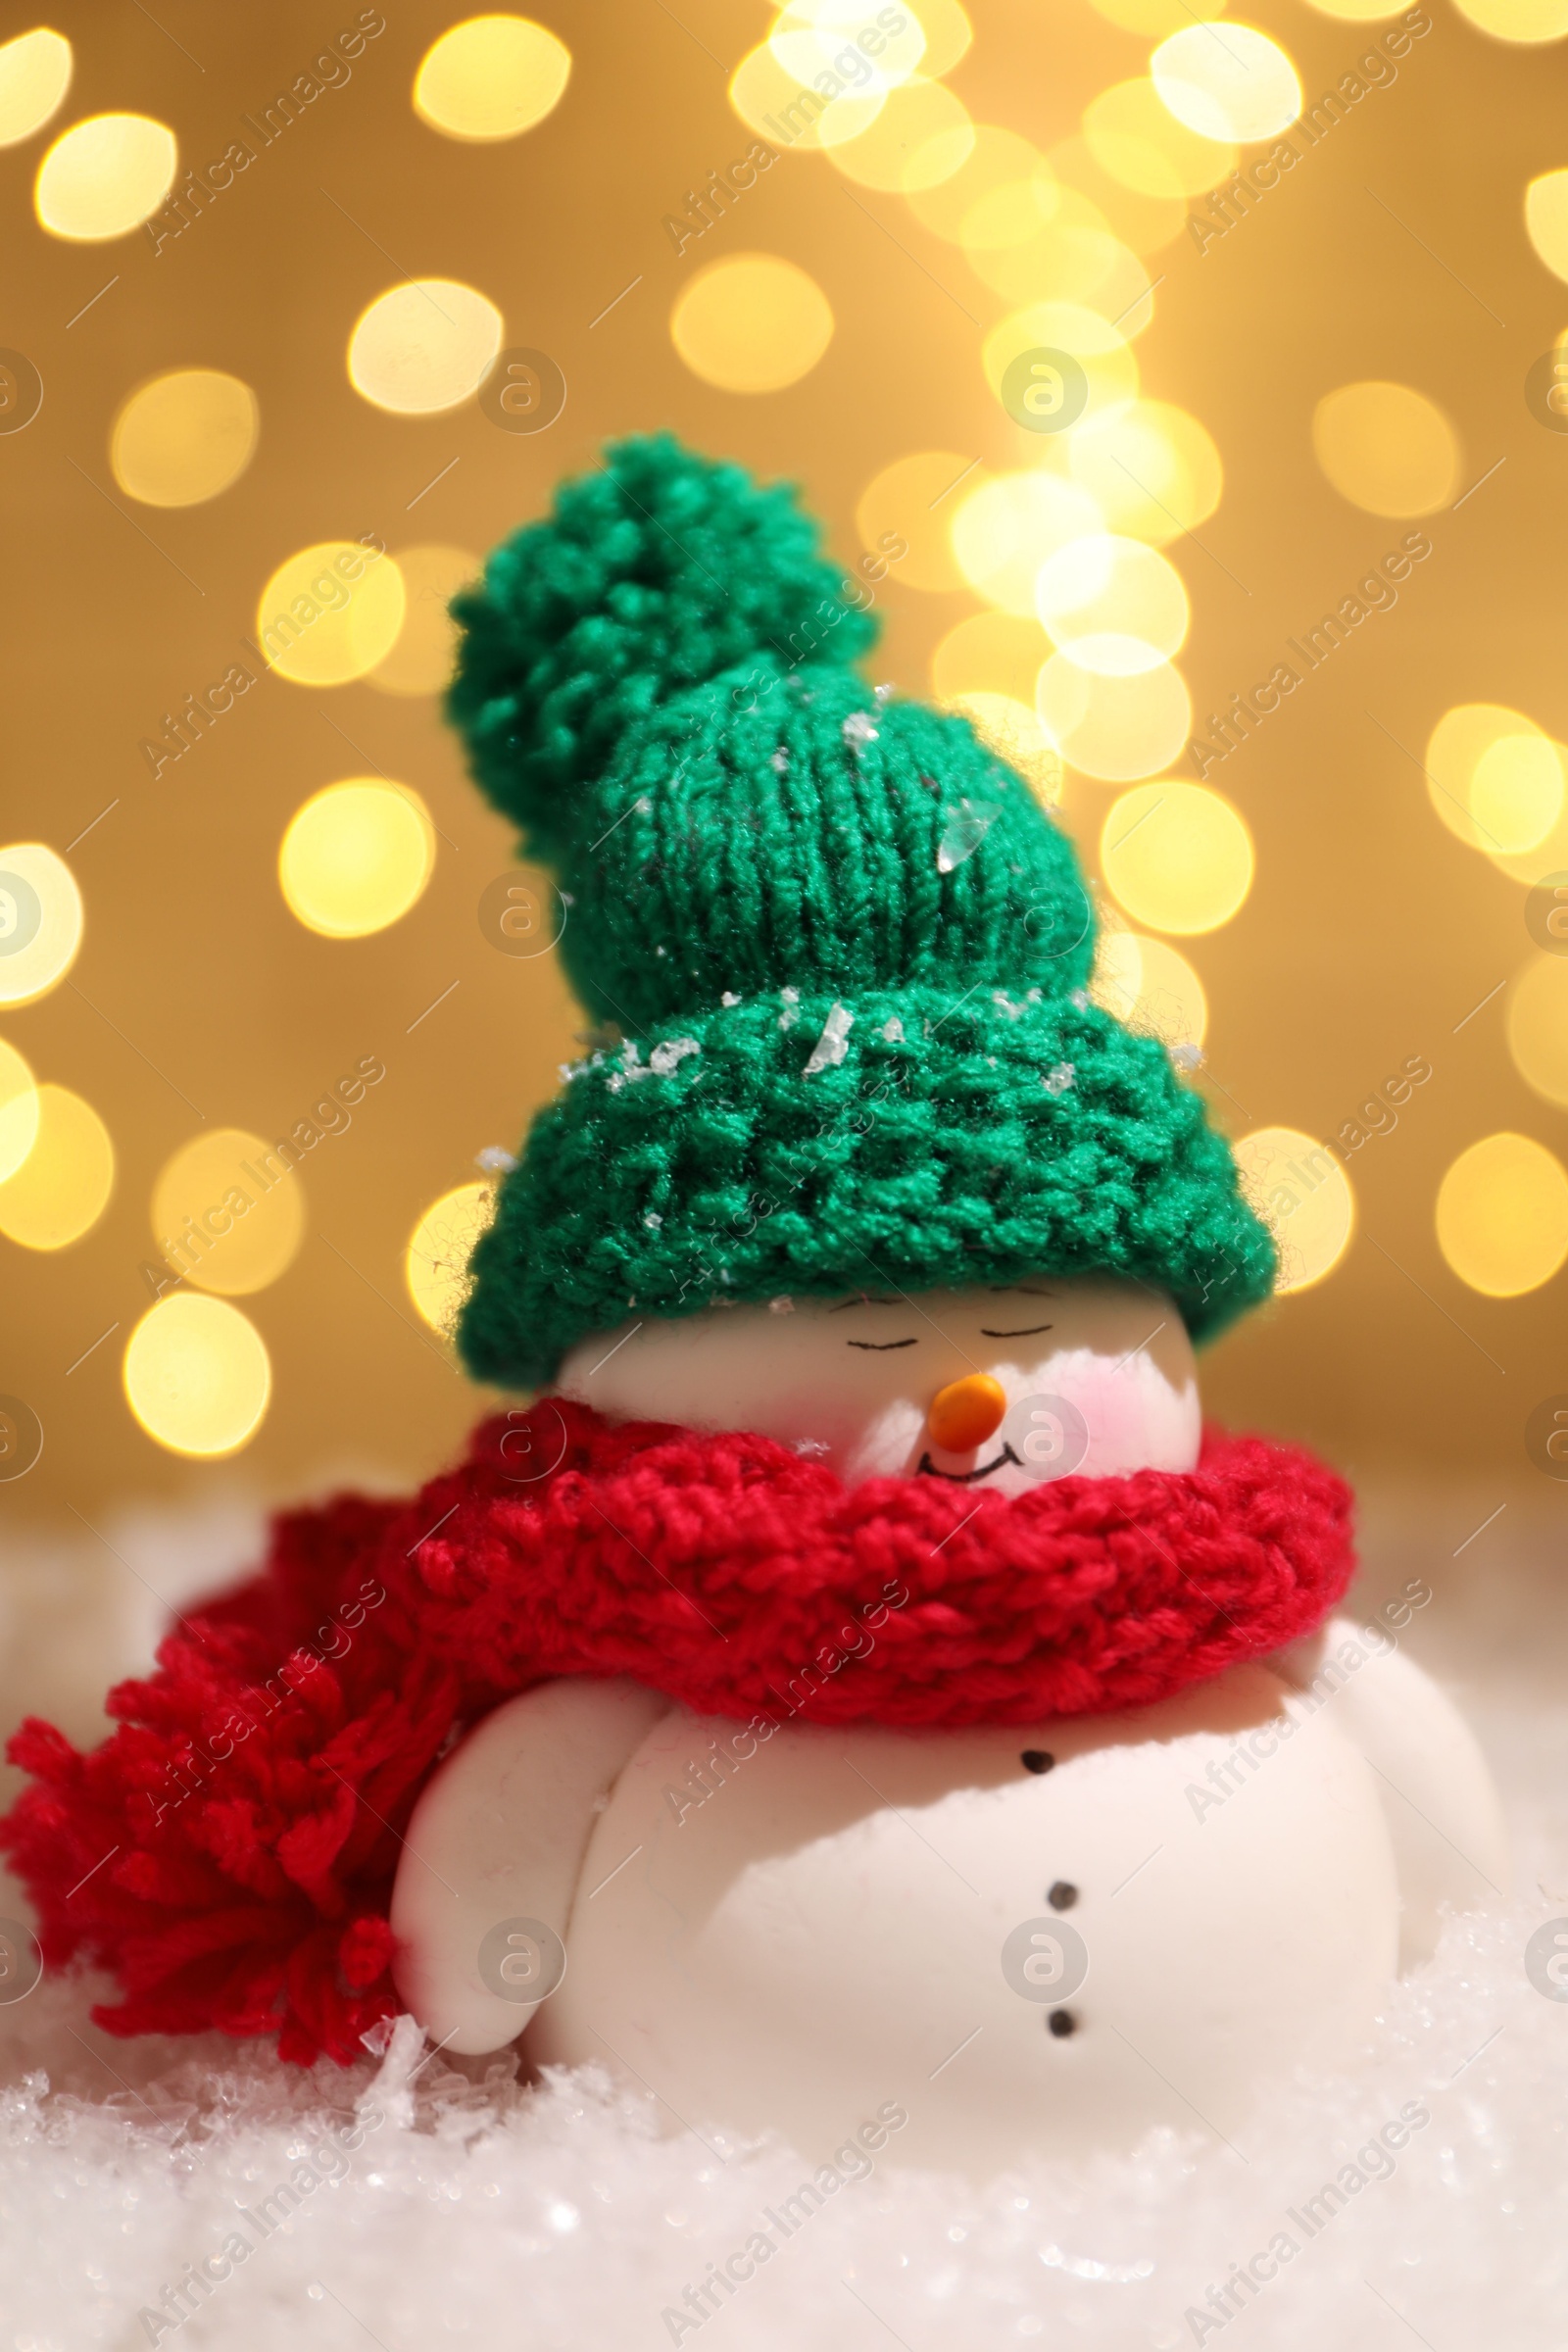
1132,1417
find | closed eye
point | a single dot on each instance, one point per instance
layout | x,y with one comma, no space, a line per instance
879,1347
1032,1332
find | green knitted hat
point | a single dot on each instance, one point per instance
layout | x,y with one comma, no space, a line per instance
838,949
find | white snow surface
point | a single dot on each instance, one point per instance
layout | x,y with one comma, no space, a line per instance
481,2210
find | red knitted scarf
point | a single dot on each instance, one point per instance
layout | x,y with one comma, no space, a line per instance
229,1851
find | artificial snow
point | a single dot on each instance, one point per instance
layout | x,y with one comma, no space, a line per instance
414,2202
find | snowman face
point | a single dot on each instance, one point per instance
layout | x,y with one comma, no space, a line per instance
995,1388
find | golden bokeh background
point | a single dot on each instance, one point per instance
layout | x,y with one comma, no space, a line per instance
1227,506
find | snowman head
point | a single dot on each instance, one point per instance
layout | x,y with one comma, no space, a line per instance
853,1157
1000,1385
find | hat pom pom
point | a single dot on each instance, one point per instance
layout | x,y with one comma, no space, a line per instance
650,576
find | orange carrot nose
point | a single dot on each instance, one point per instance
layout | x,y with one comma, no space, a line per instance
966,1412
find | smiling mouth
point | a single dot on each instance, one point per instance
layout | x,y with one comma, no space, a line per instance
964,1478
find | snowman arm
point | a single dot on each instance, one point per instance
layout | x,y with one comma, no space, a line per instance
1451,1842
500,1833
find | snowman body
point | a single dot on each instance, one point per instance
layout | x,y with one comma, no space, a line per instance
1023,1939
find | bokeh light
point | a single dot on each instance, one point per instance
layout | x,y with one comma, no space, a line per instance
1015,734
1004,528
437,1264
491,78
35,77
105,176
1503,1215
990,652
910,497
1114,605
1114,730
1036,237
1522,21
772,101
330,613
18,1110
992,158
1133,136
1226,82
948,32
184,437
197,1375
425,346
1465,736
423,653
40,920
1152,469
355,857
228,1212
1304,1195
62,1186
1537,1027
1387,448
1145,222
1516,793
1100,350
1150,986
921,136
1176,856
752,323
834,39
1547,220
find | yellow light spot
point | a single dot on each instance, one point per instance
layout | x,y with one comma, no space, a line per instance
355,857
1112,604
1100,350
183,437
1034,238
330,613
1115,728
1152,469
40,921
1387,448
421,658
1547,220
1304,1195
1523,20
1005,529
994,159
1503,1215
1150,986
228,1212
19,1109
1230,83
1459,742
103,177
1516,794
1144,223
61,1187
1176,856
425,346
1015,733
491,78
752,323
197,1375
990,652
834,42
1548,855
948,36
436,1266
35,77
1537,1027
772,101
1133,136
920,136
906,500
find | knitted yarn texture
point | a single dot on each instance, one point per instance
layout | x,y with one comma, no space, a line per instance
842,949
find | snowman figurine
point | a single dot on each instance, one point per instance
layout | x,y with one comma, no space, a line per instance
854,1164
